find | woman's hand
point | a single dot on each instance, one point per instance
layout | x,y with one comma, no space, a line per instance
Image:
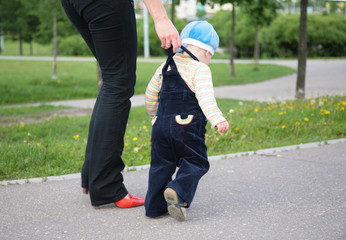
165,29
168,34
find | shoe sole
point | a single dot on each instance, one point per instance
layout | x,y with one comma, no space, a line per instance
175,205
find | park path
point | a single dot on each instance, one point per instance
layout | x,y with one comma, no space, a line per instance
275,194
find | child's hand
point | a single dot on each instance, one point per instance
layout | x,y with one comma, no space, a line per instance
222,126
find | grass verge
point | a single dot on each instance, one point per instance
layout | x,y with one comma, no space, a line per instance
56,146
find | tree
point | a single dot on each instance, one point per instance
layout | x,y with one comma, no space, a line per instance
174,3
302,51
18,21
259,13
231,47
51,15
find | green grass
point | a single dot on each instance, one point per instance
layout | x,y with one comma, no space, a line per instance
57,146
10,115
30,111
30,81
11,48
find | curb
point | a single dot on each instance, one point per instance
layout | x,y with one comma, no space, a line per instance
266,151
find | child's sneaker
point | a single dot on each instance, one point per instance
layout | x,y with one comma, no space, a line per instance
175,205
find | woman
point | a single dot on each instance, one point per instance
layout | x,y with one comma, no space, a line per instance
109,29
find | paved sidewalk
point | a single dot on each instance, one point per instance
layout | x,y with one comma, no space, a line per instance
299,194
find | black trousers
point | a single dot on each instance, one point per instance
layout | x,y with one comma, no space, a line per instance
109,29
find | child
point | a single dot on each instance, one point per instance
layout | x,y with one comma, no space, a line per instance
180,100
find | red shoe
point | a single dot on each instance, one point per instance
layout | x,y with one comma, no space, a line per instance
130,201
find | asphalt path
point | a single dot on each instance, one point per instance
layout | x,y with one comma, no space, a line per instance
299,194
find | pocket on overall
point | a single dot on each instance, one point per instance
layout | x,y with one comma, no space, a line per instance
183,120
153,120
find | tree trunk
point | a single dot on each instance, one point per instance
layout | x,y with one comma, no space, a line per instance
99,77
54,77
257,48
173,11
302,51
1,39
20,45
231,46
31,50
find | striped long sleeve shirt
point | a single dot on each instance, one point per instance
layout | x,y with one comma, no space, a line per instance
198,78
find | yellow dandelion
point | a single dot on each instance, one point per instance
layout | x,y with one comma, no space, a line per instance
135,139
145,127
251,119
126,144
269,108
237,129
325,100
256,110
296,123
127,136
281,113
54,114
9,146
136,149
343,103
306,119
283,127
326,112
76,136
48,119
22,124
206,135
342,109
38,144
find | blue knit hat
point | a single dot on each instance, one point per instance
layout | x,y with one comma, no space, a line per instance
200,34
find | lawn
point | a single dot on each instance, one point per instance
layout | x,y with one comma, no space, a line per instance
30,81
56,146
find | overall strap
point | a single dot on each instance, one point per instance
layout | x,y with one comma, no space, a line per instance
188,52
170,62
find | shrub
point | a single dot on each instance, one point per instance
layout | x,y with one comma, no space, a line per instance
73,46
326,35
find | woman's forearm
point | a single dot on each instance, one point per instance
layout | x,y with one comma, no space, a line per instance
156,9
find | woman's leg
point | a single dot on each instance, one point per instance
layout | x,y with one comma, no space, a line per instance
112,27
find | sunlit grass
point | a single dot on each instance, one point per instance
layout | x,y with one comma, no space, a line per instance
56,146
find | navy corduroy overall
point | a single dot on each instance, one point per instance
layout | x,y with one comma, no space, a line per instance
177,141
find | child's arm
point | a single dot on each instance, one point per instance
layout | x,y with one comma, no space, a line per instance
152,92
203,84
222,126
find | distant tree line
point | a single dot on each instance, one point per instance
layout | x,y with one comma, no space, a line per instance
33,21
326,35
277,35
